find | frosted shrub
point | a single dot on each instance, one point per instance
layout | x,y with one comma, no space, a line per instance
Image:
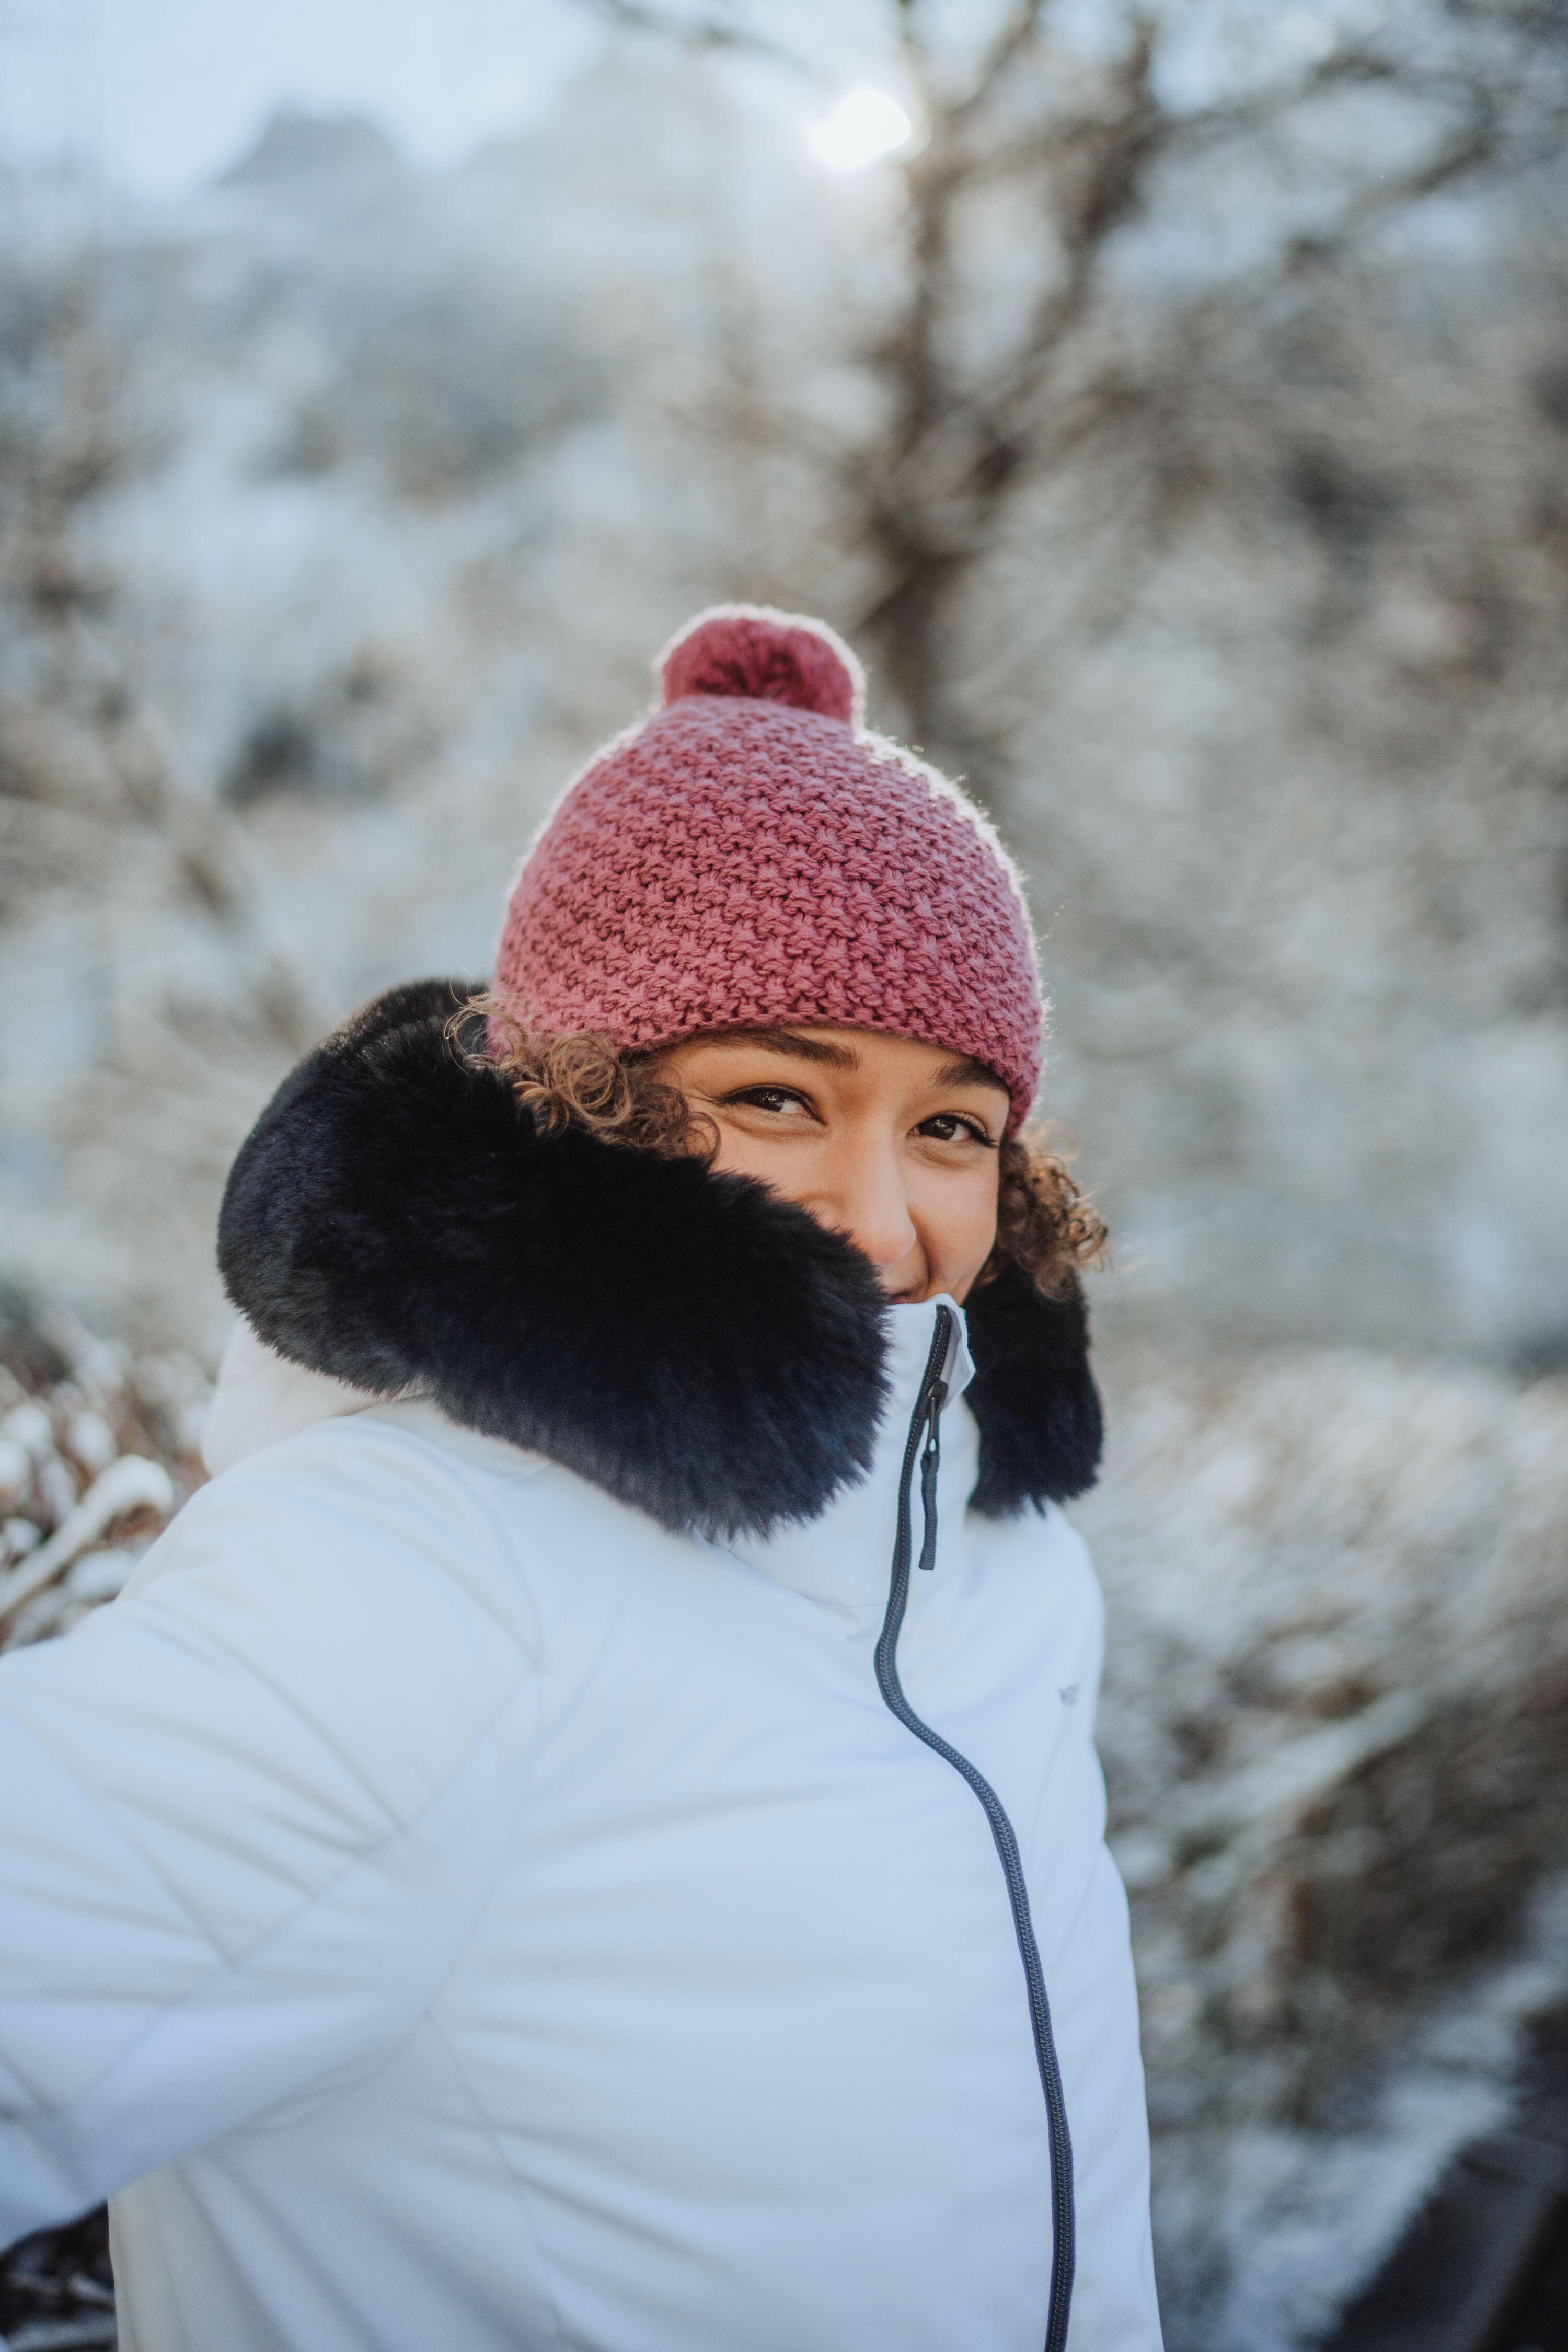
1337,1751
96,1454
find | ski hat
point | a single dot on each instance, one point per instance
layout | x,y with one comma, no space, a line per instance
751,856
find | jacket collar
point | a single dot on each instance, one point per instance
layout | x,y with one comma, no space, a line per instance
841,1558
688,1341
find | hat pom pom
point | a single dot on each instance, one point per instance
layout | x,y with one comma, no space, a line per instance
761,655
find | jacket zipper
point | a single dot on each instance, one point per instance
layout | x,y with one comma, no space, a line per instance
925,1423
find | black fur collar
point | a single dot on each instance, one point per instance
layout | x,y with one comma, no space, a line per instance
690,1343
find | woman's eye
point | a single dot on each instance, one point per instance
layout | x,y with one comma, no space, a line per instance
947,1127
772,1098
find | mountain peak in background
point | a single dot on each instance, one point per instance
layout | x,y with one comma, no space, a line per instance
299,149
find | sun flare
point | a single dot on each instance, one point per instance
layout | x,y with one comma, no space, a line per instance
864,126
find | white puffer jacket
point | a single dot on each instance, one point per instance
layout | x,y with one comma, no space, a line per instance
452,1912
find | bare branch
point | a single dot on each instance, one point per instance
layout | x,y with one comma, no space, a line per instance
1471,150
1012,40
716,33
915,54
1351,64
1112,157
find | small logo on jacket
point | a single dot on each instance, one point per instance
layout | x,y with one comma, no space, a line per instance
1068,1694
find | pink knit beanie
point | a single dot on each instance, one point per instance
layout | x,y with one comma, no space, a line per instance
750,855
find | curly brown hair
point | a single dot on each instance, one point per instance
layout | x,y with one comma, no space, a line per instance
1045,1224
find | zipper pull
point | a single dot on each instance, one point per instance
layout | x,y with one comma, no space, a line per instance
930,1463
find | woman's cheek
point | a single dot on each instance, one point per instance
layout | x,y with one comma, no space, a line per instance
958,1224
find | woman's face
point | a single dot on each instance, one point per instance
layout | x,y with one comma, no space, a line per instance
890,1143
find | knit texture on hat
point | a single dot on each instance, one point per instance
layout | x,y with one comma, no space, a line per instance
749,855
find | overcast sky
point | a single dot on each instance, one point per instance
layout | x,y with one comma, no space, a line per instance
163,93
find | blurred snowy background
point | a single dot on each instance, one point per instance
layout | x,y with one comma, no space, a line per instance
1173,407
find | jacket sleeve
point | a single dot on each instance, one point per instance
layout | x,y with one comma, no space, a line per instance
247,1815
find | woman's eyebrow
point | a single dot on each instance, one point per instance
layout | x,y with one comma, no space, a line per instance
785,1040
967,1071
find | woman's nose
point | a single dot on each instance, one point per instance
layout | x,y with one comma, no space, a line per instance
865,1200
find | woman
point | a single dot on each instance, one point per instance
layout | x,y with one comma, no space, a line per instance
585,1833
